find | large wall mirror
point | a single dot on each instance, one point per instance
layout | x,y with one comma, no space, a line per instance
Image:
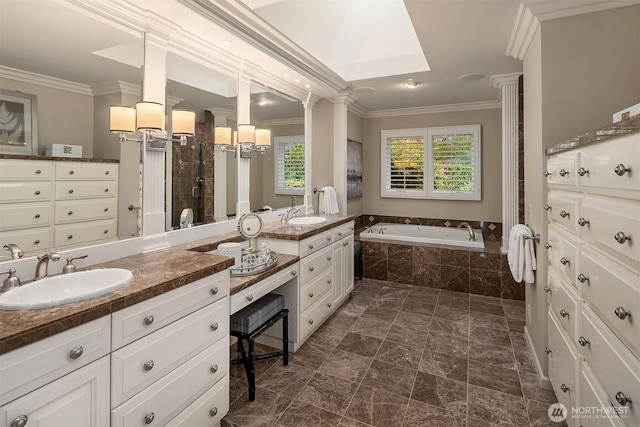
76,66
201,179
277,176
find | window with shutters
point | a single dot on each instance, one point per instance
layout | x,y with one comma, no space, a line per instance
432,163
289,164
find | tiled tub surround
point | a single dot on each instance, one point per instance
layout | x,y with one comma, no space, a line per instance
399,355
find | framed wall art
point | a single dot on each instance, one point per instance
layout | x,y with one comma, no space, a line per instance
18,123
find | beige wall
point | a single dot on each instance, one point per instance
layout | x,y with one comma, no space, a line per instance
355,131
322,154
488,209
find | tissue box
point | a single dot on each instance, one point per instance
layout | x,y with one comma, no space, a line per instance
627,113
63,150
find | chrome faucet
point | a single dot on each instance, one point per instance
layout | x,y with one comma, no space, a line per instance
291,212
472,236
43,264
16,252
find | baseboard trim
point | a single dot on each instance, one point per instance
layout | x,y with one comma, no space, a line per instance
543,380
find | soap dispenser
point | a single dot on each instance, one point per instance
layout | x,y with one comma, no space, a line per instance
10,282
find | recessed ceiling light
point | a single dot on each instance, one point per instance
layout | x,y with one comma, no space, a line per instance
287,75
262,102
297,80
227,42
307,85
411,84
364,89
471,77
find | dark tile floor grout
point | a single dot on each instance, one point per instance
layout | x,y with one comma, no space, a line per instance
401,355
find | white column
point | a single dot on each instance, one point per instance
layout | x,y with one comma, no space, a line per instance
244,165
220,118
508,85
340,148
308,152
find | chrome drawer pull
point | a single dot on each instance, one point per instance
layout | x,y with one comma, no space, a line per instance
564,261
106,172
547,289
214,369
70,236
329,238
345,244
20,421
37,215
71,191
310,246
37,192
294,272
106,231
311,321
547,246
547,350
310,294
583,171
621,237
329,281
71,172
563,172
311,268
621,169
106,209
70,213
329,304
564,213
76,352
106,190
328,258
214,291
621,313
148,419
622,399
564,388
214,327
37,242
546,207
546,174
213,412
339,234
582,221
149,319
148,365
582,278
564,313
249,297
583,341
38,172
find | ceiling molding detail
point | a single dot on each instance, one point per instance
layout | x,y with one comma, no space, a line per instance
447,108
42,80
283,122
524,28
357,110
500,80
116,87
546,10
229,113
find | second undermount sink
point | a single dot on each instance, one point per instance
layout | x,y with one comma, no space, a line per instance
307,220
65,288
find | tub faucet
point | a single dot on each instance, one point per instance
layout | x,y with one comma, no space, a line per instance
472,236
43,264
16,252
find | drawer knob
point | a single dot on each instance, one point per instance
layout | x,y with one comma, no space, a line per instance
148,365
310,294
214,369
149,319
37,192
71,172
564,313
546,207
345,244
71,191
148,419
546,174
583,171
582,221
547,289
311,321
106,172
622,399
106,231
328,238
38,172
106,209
214,327
37,215
328,258
329,304
564,213
621,169
339,234
621,313
37,242
329,281
547,246
213,412
70,236
563,172
106,190
76,352
564,388
294,272
547,350
564,261
214,291
311,268
583,341
621,237
70,213
21,420
582,278
249,297
310,246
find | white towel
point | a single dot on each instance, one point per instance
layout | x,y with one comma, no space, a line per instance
521,255
328,201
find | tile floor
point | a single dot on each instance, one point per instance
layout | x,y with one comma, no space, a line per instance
400,355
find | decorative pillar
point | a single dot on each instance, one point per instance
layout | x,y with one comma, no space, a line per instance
508,85
340,107
220,118
243,205
308,151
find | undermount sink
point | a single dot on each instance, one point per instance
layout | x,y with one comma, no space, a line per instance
307,220
65,288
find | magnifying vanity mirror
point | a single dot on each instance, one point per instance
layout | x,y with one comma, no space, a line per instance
75,66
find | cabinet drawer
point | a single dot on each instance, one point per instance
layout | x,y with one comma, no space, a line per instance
563,209
85,190
29,367
312,292
611,288
31,240
610,219
16,192
77,171
562,254
561,170
615,368
26,215
245,297
208,409
315,265
312,244
26,170
564,302
592,396
314,316
74,211
342,231
175,391
563,362
145,317
75,234
148,359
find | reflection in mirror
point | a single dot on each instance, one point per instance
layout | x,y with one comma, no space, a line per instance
202,185
76,66
277,176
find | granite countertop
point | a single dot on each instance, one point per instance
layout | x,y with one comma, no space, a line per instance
276,230
71,159
624,127
243,282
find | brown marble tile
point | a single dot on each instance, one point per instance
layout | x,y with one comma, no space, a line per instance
422,292
377,407
494,355
380,313
362,296
454,278
474,422
514,309
375,268
455,257
532,390
538,413
340,321
287,380
360,344
519,341
370,326
441,392
391,378
448,344
445,312
328,392
444,365
403,355
490,336
352,308
420,414
300,414
396,251
485,260
370,286
427,255
237,388
485,282
479,318
326,337
261,366
516,325
345,365
494,377
400,271
510,288
263,411
525,361
391,298
349,422
419,306
413,321
498,408
450,327
486,306
374,249
310,355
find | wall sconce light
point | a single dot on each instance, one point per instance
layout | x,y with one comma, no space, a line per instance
247,137
148,117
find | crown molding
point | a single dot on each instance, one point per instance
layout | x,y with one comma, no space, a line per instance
524,28
500,80
283,122
116,87
42,80
546,10
433,109
358,110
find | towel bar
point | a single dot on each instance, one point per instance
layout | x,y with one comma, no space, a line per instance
315,190
535,238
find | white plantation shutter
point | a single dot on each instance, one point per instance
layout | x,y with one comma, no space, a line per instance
289,164
404,170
